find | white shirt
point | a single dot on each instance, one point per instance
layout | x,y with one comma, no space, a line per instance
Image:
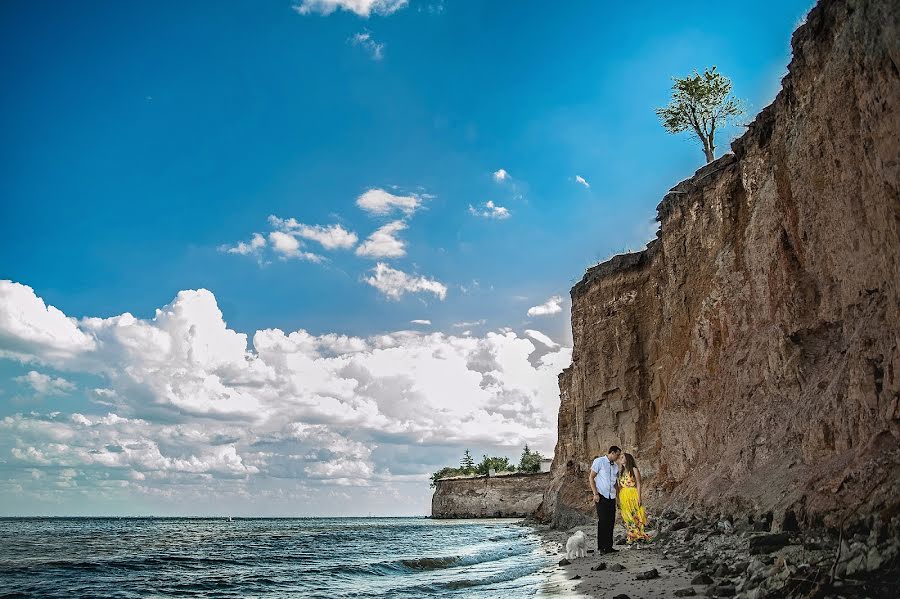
607,473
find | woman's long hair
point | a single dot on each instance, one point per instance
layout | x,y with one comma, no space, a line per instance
630,464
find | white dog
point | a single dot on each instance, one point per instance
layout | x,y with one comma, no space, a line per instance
575,546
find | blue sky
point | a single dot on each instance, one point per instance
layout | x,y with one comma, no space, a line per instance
142,142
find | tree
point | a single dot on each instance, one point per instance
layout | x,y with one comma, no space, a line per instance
467,464
444,473
701,103
531,462
497,464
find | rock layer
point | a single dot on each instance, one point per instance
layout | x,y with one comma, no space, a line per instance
748,357
507,496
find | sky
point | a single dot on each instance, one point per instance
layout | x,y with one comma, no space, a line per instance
288,259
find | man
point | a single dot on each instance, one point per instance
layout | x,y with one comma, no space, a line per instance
604,482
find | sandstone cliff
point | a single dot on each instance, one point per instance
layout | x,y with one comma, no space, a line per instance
507,496
749,356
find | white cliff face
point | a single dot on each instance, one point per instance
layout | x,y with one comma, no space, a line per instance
749,357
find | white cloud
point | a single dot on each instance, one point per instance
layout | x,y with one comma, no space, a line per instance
254,246
489,210
395,283
380,202
363,8
541,338
366,41
331,237
551,306
288,246
383,243
472,323
190,400
32,330
420,322
580,180
44,384
501,175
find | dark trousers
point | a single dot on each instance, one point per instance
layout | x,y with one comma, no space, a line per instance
606,518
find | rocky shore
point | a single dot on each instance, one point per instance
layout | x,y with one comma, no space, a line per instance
724,557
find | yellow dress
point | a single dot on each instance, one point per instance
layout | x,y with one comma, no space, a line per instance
632,511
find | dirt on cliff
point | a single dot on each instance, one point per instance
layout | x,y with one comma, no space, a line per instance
749,357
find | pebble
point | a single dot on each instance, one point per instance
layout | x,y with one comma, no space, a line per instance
686,592
616,568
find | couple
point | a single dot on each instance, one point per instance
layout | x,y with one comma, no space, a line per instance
617,474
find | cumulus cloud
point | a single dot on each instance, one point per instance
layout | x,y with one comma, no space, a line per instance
541,338
501,175
380,202
32,330
330,237
395,283
489,210
246,248
420,321
189,400
365,40
383,243
44,384
363,8
580,180
551,306
468,324
287,246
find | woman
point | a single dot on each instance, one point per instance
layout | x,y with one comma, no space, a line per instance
630,507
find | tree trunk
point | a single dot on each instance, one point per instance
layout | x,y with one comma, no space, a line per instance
710,156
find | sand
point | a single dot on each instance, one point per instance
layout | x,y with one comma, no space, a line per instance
609,583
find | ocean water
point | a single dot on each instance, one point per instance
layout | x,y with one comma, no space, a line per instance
317,557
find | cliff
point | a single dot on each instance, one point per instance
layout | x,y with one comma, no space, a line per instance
508,496
748,357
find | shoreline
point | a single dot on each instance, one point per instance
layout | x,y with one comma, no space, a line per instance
690,556
609,575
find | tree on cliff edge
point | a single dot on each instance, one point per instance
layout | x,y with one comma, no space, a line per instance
467,464
701,103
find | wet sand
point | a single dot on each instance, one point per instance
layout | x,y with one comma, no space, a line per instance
612,581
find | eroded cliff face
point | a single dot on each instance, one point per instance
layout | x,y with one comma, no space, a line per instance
749,356
508,496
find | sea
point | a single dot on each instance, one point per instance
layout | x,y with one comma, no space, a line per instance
305,557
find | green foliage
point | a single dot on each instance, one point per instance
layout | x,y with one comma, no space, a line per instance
700,104
467,464
530,460
495,463
445,473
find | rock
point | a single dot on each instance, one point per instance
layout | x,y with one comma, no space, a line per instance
694,565
685,592
769,542
622,596
873,559
598,567
576,577
722,570
678,525
741,566
616,568
564,562
648,575
726,590
702,579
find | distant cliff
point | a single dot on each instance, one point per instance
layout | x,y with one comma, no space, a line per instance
749,356
507,496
